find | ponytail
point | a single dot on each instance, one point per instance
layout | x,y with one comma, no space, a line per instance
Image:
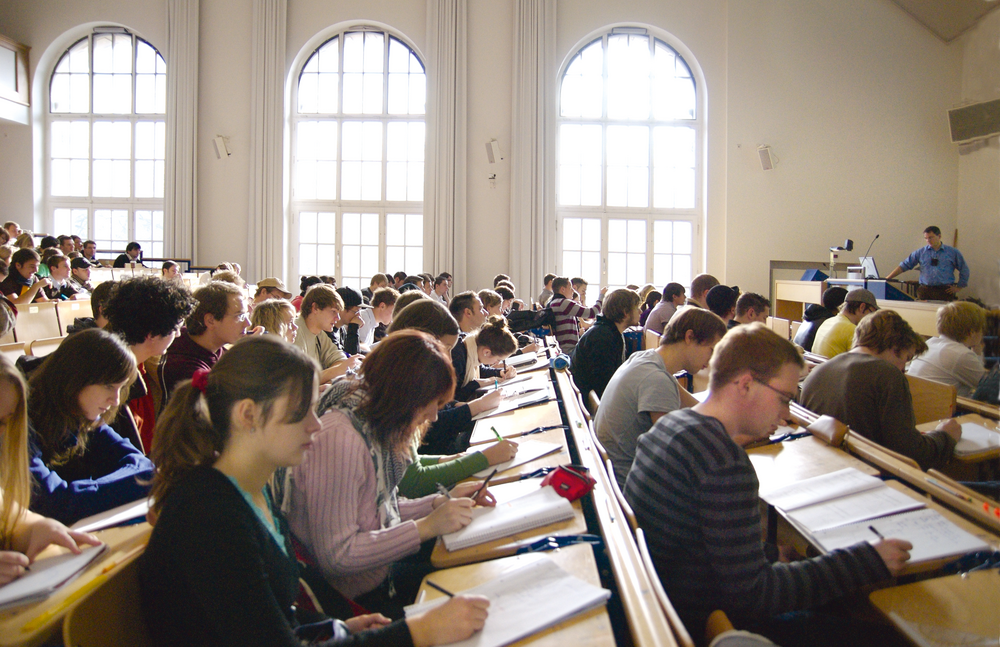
496,336
194,428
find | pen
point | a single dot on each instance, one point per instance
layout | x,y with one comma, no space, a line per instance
950,491
483,486
877,533
440,588
497,434
496,384
443,491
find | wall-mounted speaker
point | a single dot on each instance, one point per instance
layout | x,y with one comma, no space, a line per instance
766,159
975,121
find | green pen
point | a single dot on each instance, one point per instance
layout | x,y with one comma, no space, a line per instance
496,433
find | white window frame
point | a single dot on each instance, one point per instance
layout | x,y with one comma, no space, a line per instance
695,215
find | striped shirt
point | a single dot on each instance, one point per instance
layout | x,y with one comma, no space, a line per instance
694,492
566,311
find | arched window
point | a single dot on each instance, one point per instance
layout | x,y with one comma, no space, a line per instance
106,141
631,132
358,158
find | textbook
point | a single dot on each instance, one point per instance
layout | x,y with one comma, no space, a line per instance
975,439
525,600
932,536
527,451
540,508
134,512
47,576
838,498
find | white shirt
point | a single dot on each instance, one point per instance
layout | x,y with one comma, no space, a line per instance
366,331
949,362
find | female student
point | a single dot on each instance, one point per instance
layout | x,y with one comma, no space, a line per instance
277,317
79,464
490,345
23,534
170,271
345,507
220,569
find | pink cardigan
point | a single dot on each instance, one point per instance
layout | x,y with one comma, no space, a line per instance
334,512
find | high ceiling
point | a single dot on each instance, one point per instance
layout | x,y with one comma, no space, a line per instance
948,19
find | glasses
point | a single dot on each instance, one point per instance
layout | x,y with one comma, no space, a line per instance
786,398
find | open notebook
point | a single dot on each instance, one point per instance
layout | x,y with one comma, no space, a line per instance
516,402
540,508
975,439
524,600
47,576
527,451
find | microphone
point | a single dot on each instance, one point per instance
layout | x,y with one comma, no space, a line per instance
870,246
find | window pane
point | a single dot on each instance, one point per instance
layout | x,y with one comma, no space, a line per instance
673,167
628,166
673,86
307,227
580,154
591,234
583,84
628,76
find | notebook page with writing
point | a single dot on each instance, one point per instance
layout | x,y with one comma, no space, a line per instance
932,536
540,508
524,600
821,488
853,508
46,576
527,451
976,438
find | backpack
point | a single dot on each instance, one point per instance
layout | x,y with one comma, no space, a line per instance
524,320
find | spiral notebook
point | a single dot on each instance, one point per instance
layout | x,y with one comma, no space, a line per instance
540,508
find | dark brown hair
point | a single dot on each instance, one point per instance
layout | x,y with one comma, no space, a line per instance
887,330
213,299
496,336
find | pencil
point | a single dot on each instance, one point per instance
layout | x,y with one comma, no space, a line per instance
440,588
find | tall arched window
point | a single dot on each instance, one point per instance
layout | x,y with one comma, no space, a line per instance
629,159
358,158
106,141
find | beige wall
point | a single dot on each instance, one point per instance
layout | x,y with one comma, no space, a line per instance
850,95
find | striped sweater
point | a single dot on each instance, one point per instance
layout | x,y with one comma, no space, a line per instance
567,329
694,492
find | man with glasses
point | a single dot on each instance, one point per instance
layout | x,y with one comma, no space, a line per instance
695,494
867,390
835,335
938,263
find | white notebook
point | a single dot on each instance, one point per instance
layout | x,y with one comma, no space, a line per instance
821,488
976,438
46,576
527,451
114,517
932,536
524,600
540,508
522,360
518,401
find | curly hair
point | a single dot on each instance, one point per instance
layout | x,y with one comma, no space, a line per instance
147,305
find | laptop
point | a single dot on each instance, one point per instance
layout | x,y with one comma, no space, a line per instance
868,263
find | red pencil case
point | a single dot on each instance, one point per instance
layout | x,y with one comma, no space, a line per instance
570,481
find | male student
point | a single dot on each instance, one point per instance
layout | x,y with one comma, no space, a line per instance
567,312
66,245
750,307
694,493
132,252
90,253
601,350
383,302
468,311
722,301
816,314
440,290
219,318
346,331
547,291
146,312
938,263
321,310
673,297
836,334
699,288
866,390
13,230
270,288
21,285
644,387
378,281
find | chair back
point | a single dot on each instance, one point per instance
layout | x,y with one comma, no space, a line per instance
622,503
931,400
37,321
43,347
13,350
593,401
111,614
70,310
650,339
780,326
680,632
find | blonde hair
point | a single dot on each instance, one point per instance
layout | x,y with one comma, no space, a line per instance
15,482
268,314
959,320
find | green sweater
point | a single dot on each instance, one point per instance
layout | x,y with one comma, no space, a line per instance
425,472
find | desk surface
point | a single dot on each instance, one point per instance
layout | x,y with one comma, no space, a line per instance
592,628
554,459
947,610
506,546
794,460
23,626
986,454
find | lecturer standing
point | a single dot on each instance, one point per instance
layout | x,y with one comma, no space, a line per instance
938,263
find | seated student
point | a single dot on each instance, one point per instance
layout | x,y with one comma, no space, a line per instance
398,279
345,334
468,311
219,318
751,307
8,310
955,356
601,349
580,287
220,568
79,464
377,281
836,334
66,245
722,301
25,241
866,390
170,271
44,255
673,298
320,312
694,492
277,317
989,388
90,253
79,277
59,287
21,285
450,433
406,298
305,283
344,504
23,534
270,288
644,388
132,254
146,312
477,355
383,303
97,300
567,311
652,299
700,286
816,314
440,289
547,290
492,303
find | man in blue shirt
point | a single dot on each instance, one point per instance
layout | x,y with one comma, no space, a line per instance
938,263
